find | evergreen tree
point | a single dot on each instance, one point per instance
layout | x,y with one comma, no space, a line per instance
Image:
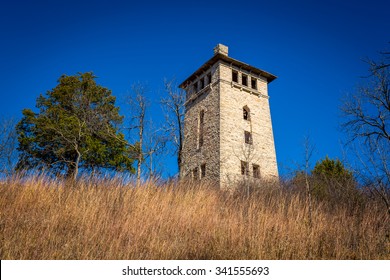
332,181
332,169
76,127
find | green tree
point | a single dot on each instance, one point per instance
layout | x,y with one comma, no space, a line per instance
332,169
76,127
333,180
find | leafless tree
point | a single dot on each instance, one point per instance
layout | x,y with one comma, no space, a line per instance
150,140
154,147
138,103
173,106
367,121
368,111
385,63
374,171
8,145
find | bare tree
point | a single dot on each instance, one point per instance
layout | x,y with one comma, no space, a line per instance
8,145
367,120
385,63
154,146
374,171
150,140
173,106
138,104
368,111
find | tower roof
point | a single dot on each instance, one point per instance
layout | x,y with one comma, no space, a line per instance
221,53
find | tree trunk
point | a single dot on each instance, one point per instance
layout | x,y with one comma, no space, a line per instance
76,168
73,169
139,163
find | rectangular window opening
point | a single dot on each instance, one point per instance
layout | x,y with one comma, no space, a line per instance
201,83
254,83
248,137
244,80
195,86
195,173
256,171
235,76
244,168
201,128
203,170
209,78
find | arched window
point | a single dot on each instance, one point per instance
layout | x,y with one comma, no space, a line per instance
246,113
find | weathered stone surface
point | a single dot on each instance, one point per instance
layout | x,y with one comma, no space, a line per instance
222,102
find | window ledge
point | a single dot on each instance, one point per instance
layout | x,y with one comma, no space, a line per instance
195,95
248,89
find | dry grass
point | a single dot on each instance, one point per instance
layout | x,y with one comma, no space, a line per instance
42,219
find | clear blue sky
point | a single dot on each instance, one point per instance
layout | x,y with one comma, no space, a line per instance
314,47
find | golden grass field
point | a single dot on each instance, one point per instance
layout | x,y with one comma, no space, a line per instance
43,219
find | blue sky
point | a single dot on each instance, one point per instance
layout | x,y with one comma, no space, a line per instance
315,48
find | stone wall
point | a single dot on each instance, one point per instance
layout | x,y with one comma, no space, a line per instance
194,156
224,147
234,96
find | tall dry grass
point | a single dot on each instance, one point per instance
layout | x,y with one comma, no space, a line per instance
44,219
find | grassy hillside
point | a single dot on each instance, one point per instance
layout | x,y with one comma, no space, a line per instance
42,219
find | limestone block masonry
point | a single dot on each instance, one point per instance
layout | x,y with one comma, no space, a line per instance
228,133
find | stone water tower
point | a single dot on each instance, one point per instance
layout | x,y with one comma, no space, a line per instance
227,127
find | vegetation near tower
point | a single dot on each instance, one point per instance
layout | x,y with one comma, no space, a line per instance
332,181
332,169
76,127
329,181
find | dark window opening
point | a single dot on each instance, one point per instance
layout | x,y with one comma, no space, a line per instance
195,173
244,80
201,127
244,168
246,113
248,137
203,170
195,86
256,171
201,83
235,76
254,83
209,78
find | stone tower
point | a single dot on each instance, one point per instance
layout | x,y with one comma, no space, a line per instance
227,126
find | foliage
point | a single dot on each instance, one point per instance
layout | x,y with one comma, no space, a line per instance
332,181
329,180
331,168
76,127
181,221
